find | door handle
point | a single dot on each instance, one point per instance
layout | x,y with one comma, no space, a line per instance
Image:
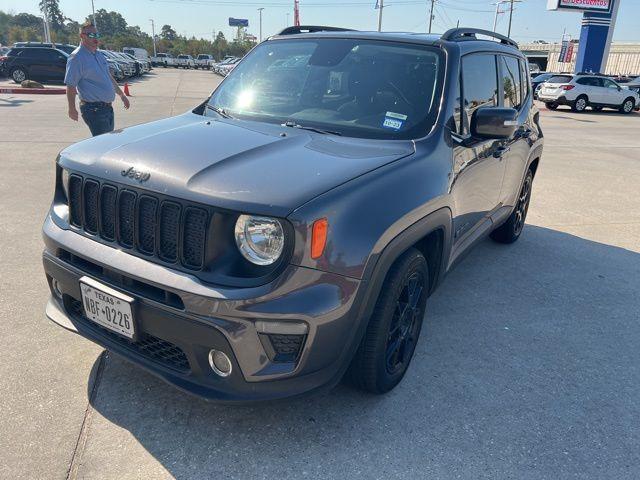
500,151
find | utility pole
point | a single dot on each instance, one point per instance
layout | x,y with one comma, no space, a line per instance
93,15
296,13
153,36
380,6
260,10
510,18
287,19
433,2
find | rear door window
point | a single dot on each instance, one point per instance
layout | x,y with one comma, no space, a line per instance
525,79
511,88
589,82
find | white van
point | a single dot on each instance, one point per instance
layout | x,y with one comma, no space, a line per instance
139,53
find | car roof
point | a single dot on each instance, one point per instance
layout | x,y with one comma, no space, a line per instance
465,39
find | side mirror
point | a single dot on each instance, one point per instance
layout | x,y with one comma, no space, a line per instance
494,123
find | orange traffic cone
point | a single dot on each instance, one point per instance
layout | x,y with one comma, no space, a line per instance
126,89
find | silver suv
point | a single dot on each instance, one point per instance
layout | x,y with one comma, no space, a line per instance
581,91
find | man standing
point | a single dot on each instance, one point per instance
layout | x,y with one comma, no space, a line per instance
88,76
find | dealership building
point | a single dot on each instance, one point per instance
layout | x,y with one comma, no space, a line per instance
623,58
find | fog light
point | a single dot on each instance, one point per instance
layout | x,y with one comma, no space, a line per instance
55,286
220,363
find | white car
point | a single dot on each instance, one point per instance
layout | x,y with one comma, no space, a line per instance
184,61
204,61
582,91
163,60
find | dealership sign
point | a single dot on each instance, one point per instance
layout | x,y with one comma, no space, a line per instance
581,5
238,22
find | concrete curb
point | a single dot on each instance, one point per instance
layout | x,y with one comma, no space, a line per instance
42,91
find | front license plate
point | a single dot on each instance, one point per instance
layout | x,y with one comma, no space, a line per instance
107,307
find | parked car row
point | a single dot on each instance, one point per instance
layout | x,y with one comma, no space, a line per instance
47,62
124,65
225,66
202,61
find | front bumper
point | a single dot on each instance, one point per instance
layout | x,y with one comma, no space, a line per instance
180,319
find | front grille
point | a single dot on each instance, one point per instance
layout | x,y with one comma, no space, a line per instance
142,222
153,348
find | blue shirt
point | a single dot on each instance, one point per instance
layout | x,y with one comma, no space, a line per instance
89,73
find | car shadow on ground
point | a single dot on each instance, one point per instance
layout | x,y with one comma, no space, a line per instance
528,367
13,102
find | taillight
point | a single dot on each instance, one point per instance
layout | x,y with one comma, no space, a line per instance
568,87
2,59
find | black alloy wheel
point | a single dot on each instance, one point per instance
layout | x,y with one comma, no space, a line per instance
404,328
389,342
510,230
523,205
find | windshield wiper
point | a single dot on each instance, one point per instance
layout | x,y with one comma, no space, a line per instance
291,124
220,111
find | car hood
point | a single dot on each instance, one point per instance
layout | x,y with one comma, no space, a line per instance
251,167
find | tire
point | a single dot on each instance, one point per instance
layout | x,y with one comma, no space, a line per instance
628,106
580,105
19,75
388,345
511,230
551,105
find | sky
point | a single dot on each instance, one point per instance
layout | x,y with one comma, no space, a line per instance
202,17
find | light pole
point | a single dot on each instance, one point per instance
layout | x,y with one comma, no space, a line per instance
380,6
93,15
153,36
260,10
287,19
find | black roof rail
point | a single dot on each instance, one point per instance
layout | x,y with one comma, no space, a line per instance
457,34
312,29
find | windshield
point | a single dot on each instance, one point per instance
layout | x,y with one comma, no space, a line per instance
359,88
203,57
183,56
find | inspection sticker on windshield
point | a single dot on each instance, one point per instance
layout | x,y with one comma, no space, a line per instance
394,120
398,116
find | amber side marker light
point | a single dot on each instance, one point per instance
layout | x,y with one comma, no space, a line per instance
319,237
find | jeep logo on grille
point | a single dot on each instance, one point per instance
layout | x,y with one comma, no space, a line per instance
136,174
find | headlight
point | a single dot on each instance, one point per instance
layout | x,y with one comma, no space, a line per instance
259,239
65,183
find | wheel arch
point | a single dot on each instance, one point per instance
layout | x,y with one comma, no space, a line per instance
431,235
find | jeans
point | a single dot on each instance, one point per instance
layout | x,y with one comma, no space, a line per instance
98,117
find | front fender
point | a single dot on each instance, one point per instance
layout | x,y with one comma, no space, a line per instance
367,213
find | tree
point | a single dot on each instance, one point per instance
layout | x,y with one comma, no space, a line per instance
51,9
110,24
27,20
168,33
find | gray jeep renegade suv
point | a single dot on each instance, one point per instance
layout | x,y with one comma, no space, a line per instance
289,230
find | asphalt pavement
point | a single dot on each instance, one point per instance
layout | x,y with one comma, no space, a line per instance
528,366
